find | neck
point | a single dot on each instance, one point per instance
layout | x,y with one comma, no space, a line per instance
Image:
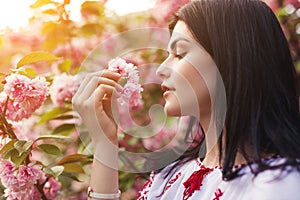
212,157
212,146
212,136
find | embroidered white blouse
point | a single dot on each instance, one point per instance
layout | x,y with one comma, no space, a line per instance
194,181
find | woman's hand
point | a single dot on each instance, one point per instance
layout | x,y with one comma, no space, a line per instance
95,101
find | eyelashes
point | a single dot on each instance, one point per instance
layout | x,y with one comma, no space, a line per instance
178,56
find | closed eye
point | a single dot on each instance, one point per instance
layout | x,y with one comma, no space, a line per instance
178,56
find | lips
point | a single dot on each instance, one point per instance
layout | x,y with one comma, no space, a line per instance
166,90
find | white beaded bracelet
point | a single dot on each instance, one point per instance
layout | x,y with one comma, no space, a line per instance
96,195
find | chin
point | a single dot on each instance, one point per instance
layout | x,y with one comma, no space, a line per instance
173,112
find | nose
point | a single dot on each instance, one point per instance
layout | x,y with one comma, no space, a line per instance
163,71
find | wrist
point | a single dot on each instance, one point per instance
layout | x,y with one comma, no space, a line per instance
107,154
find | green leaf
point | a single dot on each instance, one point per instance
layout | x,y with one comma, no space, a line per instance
50,12
74,167
14,154
56,137
58,170
49,27
8,146
18,159
29,72
64,117
91,29
65,66
50,149
73,158
55,112
23,146
56,33
92,8
39,3
36,57
71,176
55,171
64,129
10,153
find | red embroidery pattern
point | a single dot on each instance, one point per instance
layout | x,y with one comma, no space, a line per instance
143,193
195,181
172,181
218,194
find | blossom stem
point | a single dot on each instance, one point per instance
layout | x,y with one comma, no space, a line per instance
40,189
6,128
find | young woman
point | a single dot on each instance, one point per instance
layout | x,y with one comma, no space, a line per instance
252,150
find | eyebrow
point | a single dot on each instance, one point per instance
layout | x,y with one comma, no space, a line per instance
174,42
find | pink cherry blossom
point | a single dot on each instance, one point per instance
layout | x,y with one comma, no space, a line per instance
119,65
25,95
51,188
135,100
131,92
164,10
62,89
20,182
295,3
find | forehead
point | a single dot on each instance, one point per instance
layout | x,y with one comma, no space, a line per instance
181,30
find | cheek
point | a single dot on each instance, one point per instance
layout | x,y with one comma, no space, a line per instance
195,97
182,101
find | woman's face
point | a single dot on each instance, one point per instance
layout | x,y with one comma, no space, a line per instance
187,73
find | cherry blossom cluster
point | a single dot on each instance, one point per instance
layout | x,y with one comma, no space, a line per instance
20,182
131,92
24,96
62,89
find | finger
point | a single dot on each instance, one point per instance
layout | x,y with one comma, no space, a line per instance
96,82
86,90
104,73
87,79
103,93
110,82
111,75
102,98
111,106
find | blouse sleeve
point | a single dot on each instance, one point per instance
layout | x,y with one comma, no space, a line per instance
277,185
143,194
